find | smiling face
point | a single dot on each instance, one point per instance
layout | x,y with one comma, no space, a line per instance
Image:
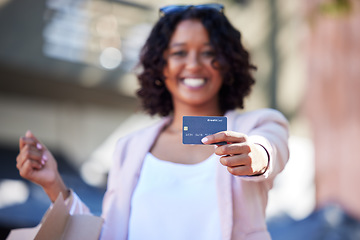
189,74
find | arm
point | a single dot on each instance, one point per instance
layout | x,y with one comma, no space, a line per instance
267,129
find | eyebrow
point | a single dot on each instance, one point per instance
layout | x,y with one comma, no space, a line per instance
182,44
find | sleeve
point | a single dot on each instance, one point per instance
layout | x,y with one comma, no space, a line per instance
114,176
271,131
75,205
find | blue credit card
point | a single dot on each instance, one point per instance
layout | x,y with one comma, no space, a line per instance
197,127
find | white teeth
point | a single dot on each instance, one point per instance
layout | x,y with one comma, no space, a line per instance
194,82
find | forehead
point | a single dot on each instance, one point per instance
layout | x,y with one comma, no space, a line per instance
190,31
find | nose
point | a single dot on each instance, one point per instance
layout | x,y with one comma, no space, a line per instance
193,61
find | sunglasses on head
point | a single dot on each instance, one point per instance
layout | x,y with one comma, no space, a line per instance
182,8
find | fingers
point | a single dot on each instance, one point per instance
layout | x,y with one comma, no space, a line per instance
241,171
236,155
235,160
239,165
31,147
30,135
242,159
234,148
30,139
225,136
31,153
28,167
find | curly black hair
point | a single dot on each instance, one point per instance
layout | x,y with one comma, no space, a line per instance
232,60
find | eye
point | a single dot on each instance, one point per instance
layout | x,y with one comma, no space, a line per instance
179,53
209,53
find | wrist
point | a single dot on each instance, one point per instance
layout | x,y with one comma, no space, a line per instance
263,158
54,189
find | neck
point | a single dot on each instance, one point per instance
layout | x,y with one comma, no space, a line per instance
179,112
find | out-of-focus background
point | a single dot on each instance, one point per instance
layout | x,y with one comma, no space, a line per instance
67,73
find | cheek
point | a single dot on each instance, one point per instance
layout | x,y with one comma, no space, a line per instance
166,71
218,76
173,67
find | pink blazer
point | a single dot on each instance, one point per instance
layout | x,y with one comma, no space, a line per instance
242,200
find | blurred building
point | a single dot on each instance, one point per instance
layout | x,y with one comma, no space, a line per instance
333,101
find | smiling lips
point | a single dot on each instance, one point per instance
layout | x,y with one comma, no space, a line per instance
194,82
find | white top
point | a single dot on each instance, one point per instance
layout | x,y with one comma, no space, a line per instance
175,201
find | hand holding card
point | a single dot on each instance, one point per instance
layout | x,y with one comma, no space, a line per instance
241,156
196,128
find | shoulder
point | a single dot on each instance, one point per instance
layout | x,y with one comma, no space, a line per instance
140,139
264,113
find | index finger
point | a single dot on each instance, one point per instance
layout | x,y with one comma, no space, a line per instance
26,141
29,139
225,136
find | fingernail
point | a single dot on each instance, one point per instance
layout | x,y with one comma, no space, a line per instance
44,158
204,140
39,146
28,133
42,162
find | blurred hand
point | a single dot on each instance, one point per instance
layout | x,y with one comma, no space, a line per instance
36,164
241,157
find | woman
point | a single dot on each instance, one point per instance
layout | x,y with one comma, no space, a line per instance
193,64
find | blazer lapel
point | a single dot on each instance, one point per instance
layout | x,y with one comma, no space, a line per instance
224,189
